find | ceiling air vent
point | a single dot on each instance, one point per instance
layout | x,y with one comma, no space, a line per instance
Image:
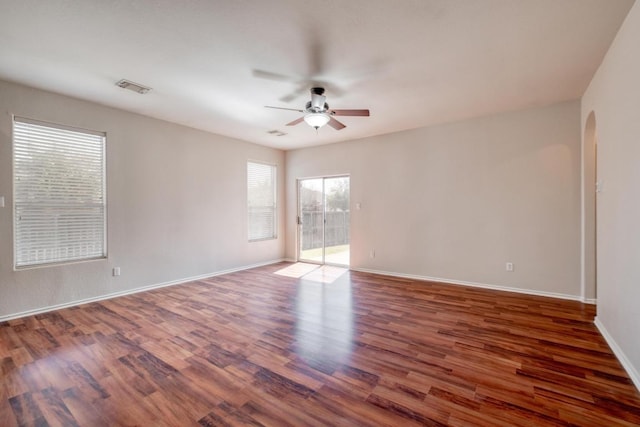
276,132
126,84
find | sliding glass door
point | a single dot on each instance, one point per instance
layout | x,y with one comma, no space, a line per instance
323,220
311,220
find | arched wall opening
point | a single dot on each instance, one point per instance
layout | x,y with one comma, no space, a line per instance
589,210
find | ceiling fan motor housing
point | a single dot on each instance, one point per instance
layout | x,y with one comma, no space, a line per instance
317,107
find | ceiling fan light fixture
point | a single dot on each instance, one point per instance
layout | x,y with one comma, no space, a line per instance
317,120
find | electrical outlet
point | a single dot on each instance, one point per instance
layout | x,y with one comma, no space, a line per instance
116,271
509,266
372,253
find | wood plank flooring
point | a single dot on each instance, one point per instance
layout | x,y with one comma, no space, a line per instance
254,348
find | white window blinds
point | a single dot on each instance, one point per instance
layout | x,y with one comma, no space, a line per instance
59,193
261,201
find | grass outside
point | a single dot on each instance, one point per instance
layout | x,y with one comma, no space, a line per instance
317,252
338,255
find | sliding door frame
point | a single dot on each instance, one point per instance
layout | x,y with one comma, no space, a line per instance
299,224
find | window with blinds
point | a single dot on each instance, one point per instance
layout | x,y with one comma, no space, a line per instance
261,201
59,193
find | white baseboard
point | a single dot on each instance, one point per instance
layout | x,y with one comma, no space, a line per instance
592,301
130,291
626,364
473,284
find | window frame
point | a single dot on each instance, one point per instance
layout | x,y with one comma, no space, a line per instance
274,169
17,266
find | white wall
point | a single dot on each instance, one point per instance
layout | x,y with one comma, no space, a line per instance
458,201
176,204
614,97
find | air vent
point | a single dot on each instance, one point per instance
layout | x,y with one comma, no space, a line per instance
126,84
276,132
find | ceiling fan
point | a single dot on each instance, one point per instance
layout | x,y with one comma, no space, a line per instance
319,114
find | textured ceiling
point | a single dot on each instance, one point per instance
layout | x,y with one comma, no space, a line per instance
214,64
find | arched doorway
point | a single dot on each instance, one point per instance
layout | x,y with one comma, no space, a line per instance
589,210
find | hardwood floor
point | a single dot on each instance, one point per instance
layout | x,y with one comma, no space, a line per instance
256,348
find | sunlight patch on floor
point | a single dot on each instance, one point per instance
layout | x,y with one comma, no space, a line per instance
297,270
312,272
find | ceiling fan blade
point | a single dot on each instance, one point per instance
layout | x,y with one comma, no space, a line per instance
317,53
296,93
282,108
335,91
295,122
289,98
336,124
350,113
273,76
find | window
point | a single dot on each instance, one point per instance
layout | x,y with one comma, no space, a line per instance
59,193
261,201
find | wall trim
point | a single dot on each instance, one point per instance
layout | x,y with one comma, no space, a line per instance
624,361
592,301
474,284
132,291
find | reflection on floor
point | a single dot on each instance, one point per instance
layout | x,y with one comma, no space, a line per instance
312,272
325,274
